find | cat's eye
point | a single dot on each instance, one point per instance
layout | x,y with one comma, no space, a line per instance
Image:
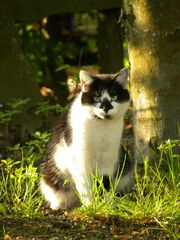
96,99
114,98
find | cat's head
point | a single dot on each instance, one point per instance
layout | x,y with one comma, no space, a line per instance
105,95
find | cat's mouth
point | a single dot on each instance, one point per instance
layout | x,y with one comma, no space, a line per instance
108,116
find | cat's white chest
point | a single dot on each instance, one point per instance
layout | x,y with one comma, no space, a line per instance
96,142
100,145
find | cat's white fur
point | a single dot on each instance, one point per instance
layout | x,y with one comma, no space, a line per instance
95,145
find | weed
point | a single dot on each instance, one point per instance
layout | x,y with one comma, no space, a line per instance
156,195
9,111
12,108
19,178
45,107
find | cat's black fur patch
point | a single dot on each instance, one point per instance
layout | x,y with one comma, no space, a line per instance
52,175
113,87
55,178
106,105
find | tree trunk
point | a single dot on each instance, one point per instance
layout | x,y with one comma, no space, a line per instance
153,33
110,43
16,75
16,78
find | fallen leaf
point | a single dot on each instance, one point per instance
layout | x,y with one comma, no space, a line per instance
93,226
135,233
20,238
113,229
126,236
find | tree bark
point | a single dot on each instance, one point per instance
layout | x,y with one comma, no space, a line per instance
16,78
110,41
16,75
153,34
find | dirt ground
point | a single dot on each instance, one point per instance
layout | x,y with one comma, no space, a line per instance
72,226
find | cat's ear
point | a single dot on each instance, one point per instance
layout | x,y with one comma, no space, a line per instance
85,79
122,77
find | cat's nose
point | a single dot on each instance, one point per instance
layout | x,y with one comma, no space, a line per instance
106,109
106,105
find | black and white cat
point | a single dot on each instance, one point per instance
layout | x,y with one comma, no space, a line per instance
87,138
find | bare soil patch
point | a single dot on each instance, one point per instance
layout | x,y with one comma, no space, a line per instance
63,225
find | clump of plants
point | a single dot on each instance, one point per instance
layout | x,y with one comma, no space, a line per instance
19,190
155,197
19,177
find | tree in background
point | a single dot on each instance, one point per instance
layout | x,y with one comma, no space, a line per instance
110,41
16,76
153,33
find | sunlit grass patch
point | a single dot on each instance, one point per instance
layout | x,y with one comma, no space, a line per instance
156,194
19,190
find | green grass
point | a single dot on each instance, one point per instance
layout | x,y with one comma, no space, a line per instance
155,197
19,190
